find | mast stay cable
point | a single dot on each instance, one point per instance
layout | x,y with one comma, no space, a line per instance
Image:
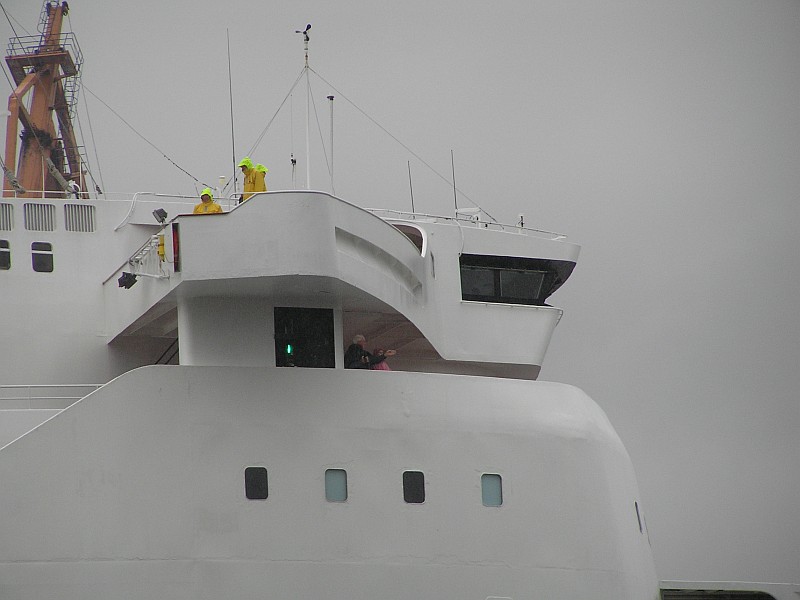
94,145
230,95
87,111
91,133
373,121
176,165
272,120
387,132
321,139
304,71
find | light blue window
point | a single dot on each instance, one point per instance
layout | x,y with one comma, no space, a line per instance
491,489
336,485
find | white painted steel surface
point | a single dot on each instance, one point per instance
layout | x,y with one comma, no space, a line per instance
137,491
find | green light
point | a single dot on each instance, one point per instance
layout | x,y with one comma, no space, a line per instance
289,349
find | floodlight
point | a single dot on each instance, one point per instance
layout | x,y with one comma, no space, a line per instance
126,280
160,214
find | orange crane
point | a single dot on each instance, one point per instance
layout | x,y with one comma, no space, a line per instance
50,163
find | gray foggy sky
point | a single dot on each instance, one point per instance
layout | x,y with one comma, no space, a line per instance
663,137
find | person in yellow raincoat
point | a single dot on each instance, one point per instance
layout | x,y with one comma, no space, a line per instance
261,172
207,205
250,177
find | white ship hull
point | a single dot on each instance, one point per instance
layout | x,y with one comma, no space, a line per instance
138,491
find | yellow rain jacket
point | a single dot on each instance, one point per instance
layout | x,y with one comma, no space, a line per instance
250,178
261,184
207,207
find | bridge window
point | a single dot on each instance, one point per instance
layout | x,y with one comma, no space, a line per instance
336,485
255,483
521,284
5,255
510,279
42,257
414,487
477,282
491,489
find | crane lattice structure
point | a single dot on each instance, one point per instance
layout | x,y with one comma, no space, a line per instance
46,71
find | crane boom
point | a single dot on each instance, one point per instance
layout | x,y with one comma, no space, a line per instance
48,161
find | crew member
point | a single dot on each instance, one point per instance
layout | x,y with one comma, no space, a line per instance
261,172
249,172
207,205
357,358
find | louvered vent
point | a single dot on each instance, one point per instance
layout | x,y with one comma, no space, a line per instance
79,217
6,217
40,217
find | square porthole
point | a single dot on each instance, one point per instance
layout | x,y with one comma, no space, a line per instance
255,483
414,487
42,257
5,255
336,485
491,489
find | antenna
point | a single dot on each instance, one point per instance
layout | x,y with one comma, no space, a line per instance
308,106
410,187
292,159
455,189
333,189
230,93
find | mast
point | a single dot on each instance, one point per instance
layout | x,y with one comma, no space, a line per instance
333,189
308,106
48,162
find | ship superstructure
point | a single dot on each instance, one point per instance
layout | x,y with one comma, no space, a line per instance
259,461
193,433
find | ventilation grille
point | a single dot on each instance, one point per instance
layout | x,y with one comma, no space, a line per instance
40,217
6,217
79,217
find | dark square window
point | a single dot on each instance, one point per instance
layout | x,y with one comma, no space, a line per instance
5,255
477,282
255,483
42,257
414,487
304,337
521,285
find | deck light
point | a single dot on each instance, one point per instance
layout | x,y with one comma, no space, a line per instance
126,280
160,214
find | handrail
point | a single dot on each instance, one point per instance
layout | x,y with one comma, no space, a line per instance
38,392
232,204
411,216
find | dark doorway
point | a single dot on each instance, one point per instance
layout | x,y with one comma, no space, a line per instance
304,337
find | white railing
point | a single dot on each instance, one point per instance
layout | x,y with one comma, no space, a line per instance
43,396
464,216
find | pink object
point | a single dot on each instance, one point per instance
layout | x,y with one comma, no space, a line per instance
381,366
